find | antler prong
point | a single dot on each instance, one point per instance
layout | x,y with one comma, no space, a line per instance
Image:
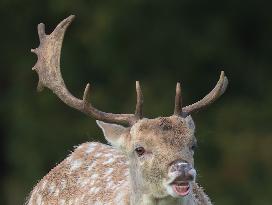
178,100
86,94
33,50
139,105
41,31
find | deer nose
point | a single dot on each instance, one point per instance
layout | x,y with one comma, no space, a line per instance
182,170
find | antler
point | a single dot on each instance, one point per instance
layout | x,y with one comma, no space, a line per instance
178,100
218,90
48,69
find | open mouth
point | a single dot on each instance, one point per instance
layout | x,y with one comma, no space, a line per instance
181,188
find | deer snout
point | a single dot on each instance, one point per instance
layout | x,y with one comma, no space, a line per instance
182,171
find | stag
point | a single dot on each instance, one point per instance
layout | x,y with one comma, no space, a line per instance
149,161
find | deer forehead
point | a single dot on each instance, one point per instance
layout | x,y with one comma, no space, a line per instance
171,130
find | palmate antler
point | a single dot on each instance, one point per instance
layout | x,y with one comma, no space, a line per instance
48,69
218,90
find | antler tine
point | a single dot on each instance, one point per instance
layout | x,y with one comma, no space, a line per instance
140,101
41,31
48,69
218,90
178,100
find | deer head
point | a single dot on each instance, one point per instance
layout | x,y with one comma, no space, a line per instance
160,151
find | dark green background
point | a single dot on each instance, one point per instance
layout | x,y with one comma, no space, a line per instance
113,43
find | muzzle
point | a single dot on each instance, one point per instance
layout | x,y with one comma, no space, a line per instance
181,173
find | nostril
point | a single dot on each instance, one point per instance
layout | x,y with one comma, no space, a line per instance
191,174
187,167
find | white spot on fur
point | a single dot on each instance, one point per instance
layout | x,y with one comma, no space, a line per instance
63,184
39,199
51,188
80,147
94,176
91,148
109,171
98,203
108,179
92,189
97,190
110,160
33,193
91,182
76,201
83,182
110,185
75,164
44,184
108,155
62,202
71,201
69,159
56,192
90,167
98,154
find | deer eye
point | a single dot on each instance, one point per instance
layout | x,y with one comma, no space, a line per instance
140,151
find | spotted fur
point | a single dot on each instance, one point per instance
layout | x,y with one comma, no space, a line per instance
93,174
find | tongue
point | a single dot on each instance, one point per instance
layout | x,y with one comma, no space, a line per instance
181,190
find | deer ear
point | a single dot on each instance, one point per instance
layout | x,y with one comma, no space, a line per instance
113,133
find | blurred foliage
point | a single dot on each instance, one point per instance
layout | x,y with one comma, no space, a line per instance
113,43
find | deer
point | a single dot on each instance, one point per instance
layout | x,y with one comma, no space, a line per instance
147,161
